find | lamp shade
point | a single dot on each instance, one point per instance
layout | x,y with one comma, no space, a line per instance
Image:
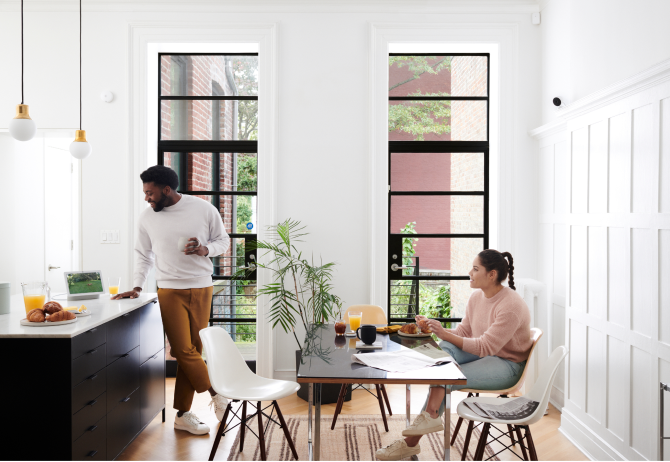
22,127
79,148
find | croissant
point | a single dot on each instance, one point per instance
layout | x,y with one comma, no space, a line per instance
409,329
423,325
36,315
52,307
61,316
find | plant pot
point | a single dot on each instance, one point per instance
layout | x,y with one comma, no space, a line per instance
329,391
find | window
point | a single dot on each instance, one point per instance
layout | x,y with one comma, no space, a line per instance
437,180
208,134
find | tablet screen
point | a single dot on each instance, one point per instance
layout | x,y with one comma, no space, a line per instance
85,282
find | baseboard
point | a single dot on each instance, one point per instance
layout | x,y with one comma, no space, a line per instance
592,445
557,398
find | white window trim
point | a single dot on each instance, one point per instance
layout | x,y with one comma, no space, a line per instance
504,36
141,124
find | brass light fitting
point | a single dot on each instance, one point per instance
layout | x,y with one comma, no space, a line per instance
80,135
22,111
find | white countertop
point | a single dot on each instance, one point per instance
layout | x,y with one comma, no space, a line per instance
102,311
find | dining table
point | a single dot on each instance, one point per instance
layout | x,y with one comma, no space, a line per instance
327,358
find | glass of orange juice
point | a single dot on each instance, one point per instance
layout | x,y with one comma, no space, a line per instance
35,295
113,285
355,320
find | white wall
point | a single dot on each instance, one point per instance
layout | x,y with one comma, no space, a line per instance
590,44
323,115
605,235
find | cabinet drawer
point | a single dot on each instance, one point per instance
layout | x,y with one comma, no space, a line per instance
123,423
92,445
88,364
89,390
88,340
123,334
152,387
85,420
151,331
123,376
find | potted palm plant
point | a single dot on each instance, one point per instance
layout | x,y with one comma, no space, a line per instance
300,291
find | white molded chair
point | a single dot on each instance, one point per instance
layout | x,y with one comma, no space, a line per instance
540,392
231,377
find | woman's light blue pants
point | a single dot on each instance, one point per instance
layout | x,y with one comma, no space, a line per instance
487,373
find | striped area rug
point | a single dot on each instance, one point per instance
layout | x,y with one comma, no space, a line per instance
356,437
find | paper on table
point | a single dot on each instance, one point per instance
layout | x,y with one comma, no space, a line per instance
433,352
398,361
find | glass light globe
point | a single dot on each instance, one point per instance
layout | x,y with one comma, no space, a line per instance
22,127
79,148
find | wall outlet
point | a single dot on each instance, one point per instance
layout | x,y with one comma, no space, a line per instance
109,236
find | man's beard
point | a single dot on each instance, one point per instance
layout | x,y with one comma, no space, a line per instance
160,204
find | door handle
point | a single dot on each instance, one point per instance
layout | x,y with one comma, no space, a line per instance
395,267
53,267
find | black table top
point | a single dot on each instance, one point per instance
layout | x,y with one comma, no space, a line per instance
326,358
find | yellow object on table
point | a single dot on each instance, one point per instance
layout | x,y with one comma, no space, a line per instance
388,329
70,308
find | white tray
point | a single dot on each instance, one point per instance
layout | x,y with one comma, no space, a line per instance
402,334
25,322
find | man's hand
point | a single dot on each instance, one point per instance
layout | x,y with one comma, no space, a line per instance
130,294
193,247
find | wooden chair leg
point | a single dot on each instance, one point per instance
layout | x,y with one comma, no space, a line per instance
287,434
340,402
458,427
481,447
381,407
243,424
466,443
219,432
520,440
511,434
386,398
261,435
531,444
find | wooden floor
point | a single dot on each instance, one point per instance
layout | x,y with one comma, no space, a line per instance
160,441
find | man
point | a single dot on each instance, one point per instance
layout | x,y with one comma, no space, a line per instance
184,279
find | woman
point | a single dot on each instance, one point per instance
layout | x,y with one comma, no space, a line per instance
491,345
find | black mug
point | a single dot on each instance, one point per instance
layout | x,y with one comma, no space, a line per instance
368,334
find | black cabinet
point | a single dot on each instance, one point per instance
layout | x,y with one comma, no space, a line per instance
103,387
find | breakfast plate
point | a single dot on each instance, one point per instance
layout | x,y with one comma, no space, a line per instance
25,322
421,334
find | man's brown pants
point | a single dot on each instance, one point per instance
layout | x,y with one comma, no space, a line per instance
184,313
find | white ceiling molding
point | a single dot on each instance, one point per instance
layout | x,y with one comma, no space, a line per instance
288,6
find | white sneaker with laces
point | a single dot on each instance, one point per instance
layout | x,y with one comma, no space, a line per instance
397,450
220,404
189,422
423,424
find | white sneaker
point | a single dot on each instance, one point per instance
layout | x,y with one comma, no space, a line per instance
220,404
423,424
397,450
190,423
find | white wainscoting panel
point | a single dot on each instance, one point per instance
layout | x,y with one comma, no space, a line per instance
605,249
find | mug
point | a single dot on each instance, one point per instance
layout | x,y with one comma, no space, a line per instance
368,333
181,243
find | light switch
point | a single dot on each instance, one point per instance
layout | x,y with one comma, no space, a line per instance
116,237
104,236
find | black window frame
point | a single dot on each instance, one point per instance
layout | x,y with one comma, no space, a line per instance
395,239
216,147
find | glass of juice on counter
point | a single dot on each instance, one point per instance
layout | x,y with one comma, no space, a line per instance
113,285
35,294
355,320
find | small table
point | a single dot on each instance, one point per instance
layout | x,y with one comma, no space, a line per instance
326,358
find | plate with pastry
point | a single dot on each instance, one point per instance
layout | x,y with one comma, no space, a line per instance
412,330
40,318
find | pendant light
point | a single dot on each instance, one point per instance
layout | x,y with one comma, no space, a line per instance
22,127
80,148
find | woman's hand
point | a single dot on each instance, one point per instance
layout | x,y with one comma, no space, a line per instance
437,328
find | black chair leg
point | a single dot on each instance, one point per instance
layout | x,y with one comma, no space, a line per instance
261,435
458,427
338,407
511,434
531,444
386,398
243,424
219,432
466,443
287,434
517,429
481,447
381,408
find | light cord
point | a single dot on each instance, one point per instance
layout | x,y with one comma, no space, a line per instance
21,51
79,64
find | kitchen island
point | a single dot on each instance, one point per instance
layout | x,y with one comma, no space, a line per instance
85,390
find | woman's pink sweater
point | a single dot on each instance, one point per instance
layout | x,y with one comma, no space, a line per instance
496,326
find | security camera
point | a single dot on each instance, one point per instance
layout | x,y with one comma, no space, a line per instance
557,101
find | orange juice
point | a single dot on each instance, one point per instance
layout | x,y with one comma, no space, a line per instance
33,301
113,290
355,321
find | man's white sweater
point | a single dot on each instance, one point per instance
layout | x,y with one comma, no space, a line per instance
157,242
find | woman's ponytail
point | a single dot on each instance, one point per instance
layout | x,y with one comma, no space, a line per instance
494,260
510,276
